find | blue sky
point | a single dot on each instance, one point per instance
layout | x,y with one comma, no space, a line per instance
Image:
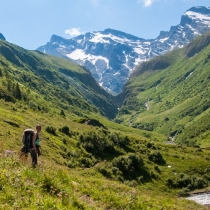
31,23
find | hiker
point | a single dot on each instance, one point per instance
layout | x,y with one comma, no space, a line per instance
31,141
35,150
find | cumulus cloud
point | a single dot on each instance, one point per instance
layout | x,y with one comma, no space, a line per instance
147,3
72,32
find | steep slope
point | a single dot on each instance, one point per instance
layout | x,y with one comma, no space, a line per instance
58,82
170,94
111,56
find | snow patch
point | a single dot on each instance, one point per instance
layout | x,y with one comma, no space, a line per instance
163,40
195,15
138,50
102,38
79,54
62,46
117,73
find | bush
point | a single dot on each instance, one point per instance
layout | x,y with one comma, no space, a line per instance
131,166
64,141
95,144
157,158
121,141
184,192
157,169
51,130
62,113
87,162
105,171
65,130
186,181
103,143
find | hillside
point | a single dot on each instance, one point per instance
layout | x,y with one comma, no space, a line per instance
170,95
87,167
87,161
44,82
111,56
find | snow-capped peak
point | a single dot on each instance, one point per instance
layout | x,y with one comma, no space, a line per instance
111,55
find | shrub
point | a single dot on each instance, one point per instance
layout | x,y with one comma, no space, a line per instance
131,166
51,130
65,130
95,144
186,181
62,113
157,169
64,141
170,182
119,140
151,145
184,192
157,158
87,162
105,171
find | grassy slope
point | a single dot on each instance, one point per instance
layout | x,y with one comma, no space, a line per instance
177,95
134,162
55,186
61,82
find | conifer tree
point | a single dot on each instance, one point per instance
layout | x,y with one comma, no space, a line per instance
18,94
9,85
62,113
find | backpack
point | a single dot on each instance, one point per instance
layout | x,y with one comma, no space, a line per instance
27,139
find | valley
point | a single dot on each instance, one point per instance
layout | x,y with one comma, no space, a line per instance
111,55
145,148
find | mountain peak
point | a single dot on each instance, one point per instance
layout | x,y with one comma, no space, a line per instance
2,37
200,9
111,55
195,17
55,38
119,34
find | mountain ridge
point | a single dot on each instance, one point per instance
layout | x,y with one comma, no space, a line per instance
48,71
103,164
171,99
111,56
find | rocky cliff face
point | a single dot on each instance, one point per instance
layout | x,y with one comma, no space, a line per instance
111,56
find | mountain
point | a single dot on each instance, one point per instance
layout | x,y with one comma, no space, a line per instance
111,55
2,37
169,94
102,165
45,82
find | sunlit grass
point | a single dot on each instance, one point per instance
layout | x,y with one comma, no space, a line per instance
51,186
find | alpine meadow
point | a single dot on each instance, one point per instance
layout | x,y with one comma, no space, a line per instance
147,148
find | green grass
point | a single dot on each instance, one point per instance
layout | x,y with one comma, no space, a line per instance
177,95
54,187
45,82
63,181
109,166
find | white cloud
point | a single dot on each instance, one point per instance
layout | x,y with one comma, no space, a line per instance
147,3
72,32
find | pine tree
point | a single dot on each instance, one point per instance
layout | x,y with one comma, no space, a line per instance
9,85
1,73
62,113
18,94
